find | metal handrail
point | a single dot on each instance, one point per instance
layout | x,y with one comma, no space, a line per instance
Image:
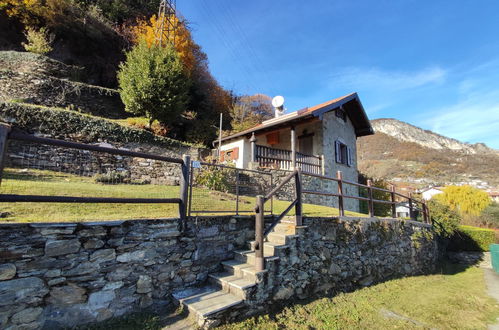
260,232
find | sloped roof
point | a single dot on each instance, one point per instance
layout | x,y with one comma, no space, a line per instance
350,103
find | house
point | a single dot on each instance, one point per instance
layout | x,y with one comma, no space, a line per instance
403,210
494,196
428,193
319,139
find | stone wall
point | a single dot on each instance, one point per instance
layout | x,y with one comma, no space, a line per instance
61,275
86,163
42,89
343,254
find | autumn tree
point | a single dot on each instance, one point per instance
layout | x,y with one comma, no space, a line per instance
464,199
199,121
250,110
153,83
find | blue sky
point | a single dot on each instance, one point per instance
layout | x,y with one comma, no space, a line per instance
434,64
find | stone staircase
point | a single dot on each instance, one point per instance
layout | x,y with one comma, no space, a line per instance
231,290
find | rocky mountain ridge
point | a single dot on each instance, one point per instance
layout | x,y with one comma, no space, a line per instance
403,153
428,139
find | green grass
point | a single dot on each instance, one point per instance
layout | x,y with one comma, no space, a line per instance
37,182
445,301
454,299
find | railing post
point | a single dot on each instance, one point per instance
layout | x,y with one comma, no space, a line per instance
237,191
411,213
392,195
370,195
259,228
253,147
298,206
428,214
293,148
341,206
184,188
4,132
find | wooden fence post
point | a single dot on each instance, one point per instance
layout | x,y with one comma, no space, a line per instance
298,206
184,188
259,228
341,206
428,214
411,212
4,132
394,208
370,195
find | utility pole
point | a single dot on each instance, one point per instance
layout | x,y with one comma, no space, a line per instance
220,139
166,27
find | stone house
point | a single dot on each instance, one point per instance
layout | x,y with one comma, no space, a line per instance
319,139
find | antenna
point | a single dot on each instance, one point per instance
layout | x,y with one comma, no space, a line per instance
278,104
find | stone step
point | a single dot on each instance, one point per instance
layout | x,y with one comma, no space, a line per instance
280,239
284,228
248,256
238,286
206,301
272,248
242,269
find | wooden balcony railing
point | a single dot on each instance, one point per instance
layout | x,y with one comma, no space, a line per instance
282,159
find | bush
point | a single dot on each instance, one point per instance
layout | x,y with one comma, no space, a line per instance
112,177
153,83
215,178
39,41
445,220
490,216
468,238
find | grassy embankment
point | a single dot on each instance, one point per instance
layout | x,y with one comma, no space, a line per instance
453,299
36,182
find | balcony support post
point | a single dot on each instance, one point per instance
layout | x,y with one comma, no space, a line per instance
293,148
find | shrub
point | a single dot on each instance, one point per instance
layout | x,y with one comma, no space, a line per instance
445,220
468,238
215,178
38,41
490,216
153,83
112,177
142,123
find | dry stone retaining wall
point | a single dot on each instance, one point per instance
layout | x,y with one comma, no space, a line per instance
61,275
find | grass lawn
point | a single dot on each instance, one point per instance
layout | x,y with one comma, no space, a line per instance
37,182
454,299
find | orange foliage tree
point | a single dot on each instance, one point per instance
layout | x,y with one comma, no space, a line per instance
207,98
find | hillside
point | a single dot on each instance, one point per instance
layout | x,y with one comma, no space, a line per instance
405,153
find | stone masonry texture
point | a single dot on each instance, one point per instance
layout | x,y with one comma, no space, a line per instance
62,275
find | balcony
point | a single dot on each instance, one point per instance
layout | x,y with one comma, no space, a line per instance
282,159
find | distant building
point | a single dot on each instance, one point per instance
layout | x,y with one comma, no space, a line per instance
494,195
428,193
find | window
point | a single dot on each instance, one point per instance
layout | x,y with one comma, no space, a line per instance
343,153
340,113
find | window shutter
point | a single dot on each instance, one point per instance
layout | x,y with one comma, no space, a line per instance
222,156
349,156
235,153
338,151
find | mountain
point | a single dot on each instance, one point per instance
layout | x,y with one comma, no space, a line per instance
400,152
409,133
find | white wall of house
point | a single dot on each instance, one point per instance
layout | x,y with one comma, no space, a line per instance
402,210
428,194
244,153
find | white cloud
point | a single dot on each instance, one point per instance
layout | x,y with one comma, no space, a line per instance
475,119
387,81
